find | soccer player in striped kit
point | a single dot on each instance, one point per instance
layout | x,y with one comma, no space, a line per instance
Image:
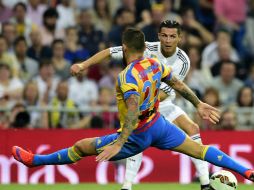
137,95
167,52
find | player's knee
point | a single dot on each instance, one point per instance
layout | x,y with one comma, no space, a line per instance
79,146
85,147
194,129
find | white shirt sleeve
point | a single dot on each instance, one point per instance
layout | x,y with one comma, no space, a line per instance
116,52
180,70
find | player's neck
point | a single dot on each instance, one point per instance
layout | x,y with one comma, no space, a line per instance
132,57
167,54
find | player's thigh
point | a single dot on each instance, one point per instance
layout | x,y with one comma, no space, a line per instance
86,147
170,136
191,148
186,124
130,149
135,144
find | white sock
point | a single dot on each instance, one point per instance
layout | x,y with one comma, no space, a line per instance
201,166
132,166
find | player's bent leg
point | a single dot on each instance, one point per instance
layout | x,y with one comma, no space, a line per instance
86,147
214,156
192,129
69,155
187,125
132,167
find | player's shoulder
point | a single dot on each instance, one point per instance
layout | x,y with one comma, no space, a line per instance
127,71
152,46
182,56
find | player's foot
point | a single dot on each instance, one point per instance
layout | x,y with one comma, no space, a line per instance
23,156
205,187
250,175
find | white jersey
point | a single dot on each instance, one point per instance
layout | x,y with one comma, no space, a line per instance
179,62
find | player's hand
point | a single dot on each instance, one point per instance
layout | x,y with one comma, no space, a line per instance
108,152
77,69
208,112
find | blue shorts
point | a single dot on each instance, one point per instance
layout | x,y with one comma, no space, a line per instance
162,135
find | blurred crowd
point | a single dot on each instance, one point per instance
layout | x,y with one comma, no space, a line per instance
41,39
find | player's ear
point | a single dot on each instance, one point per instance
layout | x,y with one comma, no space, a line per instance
159,36
124,47
180,37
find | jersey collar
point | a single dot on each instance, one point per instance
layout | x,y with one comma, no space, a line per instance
137,60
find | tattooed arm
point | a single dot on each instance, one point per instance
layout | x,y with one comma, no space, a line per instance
131,118
130,122
184,90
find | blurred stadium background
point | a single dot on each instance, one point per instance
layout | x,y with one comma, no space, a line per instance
43,108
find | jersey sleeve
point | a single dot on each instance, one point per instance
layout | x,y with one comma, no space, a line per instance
166,72
182,67
165,88
116,52
127,84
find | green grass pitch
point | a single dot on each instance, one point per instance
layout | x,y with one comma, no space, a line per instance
88,186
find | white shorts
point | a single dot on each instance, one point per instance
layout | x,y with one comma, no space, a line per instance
170,111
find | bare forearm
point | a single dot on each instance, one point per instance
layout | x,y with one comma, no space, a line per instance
130,122
163,95
131,119
205,34
97,58
184,90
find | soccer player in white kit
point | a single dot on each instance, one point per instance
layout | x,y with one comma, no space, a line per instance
168,53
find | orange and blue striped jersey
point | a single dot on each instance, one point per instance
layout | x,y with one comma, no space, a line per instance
143,78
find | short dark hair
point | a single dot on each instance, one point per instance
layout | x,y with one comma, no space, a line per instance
57,41
134,39
228,62
3,37
4,65
45,63
50,12
239,93
20,39
21,4
171,24
223,30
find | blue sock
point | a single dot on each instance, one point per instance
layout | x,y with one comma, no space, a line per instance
64,156
219,158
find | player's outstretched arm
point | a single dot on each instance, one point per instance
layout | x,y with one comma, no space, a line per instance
130,122
205,111
76,69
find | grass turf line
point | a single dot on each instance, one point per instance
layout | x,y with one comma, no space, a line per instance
89,186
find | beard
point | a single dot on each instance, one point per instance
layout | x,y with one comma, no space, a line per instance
124,60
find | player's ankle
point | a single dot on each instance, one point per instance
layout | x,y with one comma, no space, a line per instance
127,185
204,179
205,187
